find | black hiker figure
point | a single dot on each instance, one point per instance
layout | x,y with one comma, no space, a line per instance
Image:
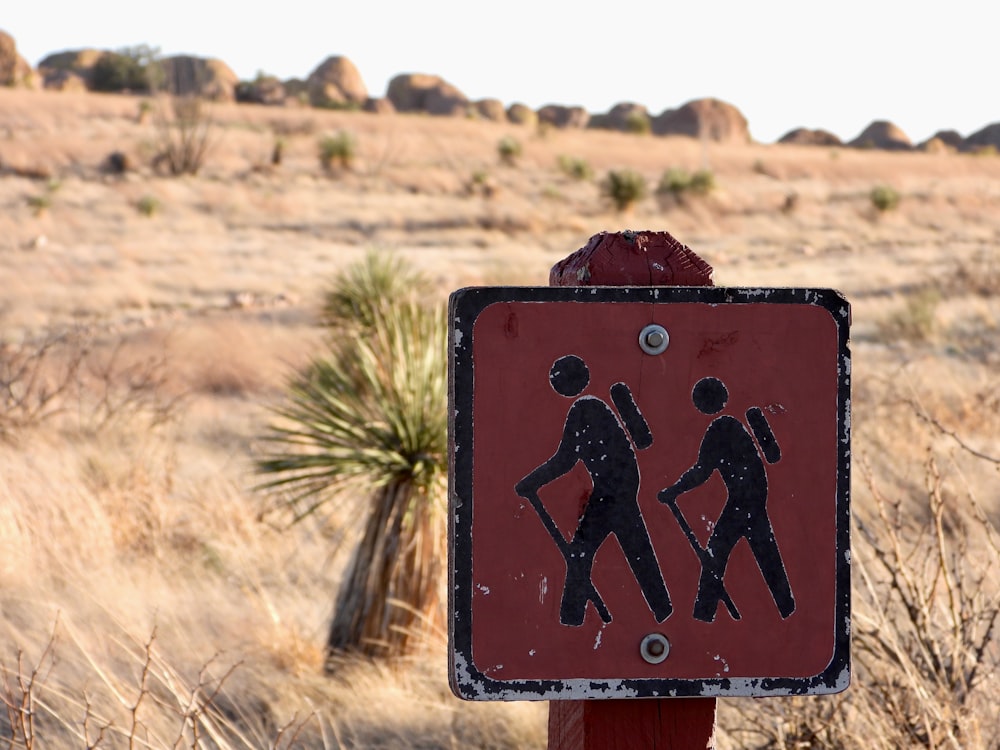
594,435
729,449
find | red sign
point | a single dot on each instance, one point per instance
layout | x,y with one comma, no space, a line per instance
649,492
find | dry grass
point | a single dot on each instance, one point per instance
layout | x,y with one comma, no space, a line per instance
144,604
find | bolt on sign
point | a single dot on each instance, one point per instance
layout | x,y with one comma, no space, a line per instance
649,492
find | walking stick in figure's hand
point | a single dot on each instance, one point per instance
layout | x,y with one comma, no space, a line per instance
563,545
668,497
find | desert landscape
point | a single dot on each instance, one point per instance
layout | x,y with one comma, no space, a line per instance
152,596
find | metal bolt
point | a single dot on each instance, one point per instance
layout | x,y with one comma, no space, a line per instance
654,339
654,648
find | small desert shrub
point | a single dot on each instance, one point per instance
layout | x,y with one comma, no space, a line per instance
986,150
278,150
39,204
638,123
148,205
337,150
917,321
624,188
678,183
481,183
509,150
702,182
42,202
884,198
118,162
120,71
575,167
144,112
184,135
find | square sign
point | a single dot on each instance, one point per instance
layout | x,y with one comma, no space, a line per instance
648,492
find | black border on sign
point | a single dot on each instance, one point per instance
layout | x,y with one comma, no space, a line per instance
466,680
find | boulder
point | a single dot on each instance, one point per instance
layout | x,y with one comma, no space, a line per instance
810,137
207,78
628,117
560,116
419,92
14,69
522,114
935,145
267,90
378,106
490,109
983,140
943,142
884,136
69,70
711,119
336,83
63,80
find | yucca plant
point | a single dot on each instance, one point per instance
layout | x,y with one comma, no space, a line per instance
363,290
372,416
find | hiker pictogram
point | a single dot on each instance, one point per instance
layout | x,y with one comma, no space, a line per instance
605,442
729,448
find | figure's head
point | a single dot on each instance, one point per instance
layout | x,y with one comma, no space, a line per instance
569,376
709,395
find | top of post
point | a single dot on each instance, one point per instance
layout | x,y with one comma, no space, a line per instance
629,258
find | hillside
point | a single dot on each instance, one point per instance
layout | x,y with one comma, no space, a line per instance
171,311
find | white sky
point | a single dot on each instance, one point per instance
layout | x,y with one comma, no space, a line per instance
783,63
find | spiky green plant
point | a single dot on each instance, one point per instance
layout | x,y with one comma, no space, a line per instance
362,291
337,150
372,416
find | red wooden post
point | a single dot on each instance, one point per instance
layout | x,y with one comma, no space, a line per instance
632,259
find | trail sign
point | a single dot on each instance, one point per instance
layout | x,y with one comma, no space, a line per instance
648,492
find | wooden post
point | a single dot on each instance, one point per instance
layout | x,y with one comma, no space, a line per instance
632,259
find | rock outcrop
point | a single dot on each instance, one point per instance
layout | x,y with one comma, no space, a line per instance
884,136
267,90
14,69
711,119
561,116
336,82
628,117
490,109
987,138
378,106
943,142
522,114
419,92
810,137
207,78
72,70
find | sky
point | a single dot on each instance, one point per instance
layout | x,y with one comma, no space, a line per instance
784,63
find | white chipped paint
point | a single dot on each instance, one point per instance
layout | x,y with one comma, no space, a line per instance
458,335
723,664
543,589
532,652
484,589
